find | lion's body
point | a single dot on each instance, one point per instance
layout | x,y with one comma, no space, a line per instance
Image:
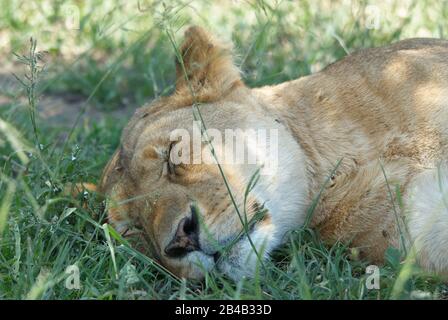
379,113
384,106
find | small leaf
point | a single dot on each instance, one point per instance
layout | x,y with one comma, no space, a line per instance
393,257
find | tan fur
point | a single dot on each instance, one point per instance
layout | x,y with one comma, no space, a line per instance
377,109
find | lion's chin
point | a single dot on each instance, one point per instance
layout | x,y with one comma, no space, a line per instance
237,264
247,255
193,266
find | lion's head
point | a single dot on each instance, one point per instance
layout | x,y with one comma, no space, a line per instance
183,213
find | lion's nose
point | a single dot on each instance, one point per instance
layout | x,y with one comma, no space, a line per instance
186,238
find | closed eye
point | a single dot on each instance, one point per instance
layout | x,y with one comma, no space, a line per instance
178,168
171,166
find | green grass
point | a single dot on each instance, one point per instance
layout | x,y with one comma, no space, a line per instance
121,56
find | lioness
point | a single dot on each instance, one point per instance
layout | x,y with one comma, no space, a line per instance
365,139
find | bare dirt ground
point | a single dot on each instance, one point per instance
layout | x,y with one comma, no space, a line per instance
60,110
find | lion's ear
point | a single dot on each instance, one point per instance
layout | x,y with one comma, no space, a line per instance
207,68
